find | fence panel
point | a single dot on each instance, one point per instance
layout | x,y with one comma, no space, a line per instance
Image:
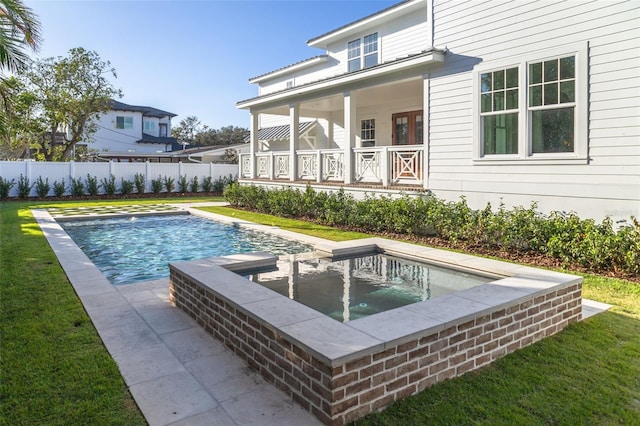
57,171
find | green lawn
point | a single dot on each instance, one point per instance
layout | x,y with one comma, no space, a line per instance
55,370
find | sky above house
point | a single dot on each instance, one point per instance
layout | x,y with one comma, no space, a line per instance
194,57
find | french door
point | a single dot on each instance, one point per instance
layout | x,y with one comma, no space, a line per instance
408,128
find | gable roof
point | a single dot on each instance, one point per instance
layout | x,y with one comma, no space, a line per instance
276,133
324,39
145,110
296,66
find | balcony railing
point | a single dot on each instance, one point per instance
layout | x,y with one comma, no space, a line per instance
387,165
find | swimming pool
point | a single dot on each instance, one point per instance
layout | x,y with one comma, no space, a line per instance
138,248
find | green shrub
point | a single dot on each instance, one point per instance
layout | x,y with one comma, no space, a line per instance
5,187
139,182
207,184
92,185
156,185
126,186
77,187
183,184
42,187
598,247
194,184
24,187
59,188
169,183
109,185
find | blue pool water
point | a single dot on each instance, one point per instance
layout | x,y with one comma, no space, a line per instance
129,250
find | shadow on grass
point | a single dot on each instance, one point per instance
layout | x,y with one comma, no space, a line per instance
587,374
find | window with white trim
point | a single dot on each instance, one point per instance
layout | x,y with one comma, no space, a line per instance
368,132
552,101
499,111
123,122
149,126
353,54
362,53
535,109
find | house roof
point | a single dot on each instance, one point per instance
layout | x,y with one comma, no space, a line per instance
147,138
431,55
145,110
276,133
323,39
296,66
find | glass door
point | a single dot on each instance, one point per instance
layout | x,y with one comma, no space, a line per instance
408,128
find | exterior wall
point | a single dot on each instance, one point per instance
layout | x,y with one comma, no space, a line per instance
108,138
155,131
340,393
486,32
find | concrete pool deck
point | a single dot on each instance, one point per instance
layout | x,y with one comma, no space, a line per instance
166,358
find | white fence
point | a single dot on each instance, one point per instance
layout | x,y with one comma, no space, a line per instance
58,171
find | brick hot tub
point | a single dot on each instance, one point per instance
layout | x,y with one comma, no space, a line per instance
342,371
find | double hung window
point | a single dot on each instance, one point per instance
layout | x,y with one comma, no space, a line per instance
368,132
362,53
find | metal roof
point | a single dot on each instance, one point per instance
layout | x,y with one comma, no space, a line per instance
380,12
145,110
317,57
277,133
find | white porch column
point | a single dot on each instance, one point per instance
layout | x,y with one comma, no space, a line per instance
294,137
253,144
425,129
349,134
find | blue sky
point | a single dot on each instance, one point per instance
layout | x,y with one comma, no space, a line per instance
194,57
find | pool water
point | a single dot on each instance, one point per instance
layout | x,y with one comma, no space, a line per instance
353,288
133,249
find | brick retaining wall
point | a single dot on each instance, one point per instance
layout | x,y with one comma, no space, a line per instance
338,394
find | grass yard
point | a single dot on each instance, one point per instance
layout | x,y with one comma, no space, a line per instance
55,370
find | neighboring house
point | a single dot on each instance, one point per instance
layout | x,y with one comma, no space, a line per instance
495,101
214,154
133,133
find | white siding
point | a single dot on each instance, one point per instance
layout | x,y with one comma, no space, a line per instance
396,39
482,32
108,138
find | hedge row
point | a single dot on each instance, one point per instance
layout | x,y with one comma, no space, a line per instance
598,247
91,186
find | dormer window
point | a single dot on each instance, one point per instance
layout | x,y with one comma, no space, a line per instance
363,53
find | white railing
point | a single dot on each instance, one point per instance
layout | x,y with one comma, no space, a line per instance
385,165
407,164
59,171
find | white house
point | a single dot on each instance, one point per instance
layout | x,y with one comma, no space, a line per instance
497,101
132,131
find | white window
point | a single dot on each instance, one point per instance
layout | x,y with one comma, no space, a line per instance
353,53
123,122
149,126
368,132
533,110
362,53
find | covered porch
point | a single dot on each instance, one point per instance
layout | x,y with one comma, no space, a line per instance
364,128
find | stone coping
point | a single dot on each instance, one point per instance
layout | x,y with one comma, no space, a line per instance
334,342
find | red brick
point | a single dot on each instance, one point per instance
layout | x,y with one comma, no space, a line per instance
345,379
407,368
498,314
358,363
371,370
407,346
384,354
344,405
384,377
382,402
464,367
427,361
436,368
358,386
396,384
467,325
311,396
372,394
394,362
